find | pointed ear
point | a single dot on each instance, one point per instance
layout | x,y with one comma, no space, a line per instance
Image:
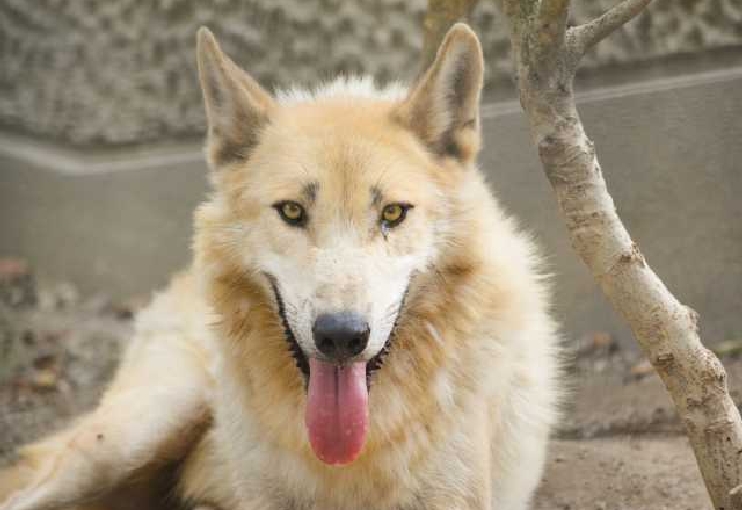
237,108
443,107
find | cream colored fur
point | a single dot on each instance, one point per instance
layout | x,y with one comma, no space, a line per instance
460,413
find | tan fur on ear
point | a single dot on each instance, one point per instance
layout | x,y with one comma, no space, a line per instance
236,106
443,107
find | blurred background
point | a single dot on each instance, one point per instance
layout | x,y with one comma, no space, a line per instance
101,166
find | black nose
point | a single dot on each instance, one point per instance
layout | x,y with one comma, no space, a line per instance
340,336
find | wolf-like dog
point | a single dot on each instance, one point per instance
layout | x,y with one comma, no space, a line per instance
362,327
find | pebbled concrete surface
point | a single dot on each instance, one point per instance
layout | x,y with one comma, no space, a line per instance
123,71
622,473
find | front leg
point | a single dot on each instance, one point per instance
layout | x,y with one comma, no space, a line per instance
153,413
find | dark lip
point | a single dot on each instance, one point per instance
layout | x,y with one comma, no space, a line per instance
300,359
377,361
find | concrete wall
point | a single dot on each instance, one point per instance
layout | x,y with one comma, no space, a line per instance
670,148
123,71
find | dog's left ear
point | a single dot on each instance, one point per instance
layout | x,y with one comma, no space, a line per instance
237,108
443,107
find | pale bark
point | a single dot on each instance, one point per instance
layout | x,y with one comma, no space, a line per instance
591,33
546,55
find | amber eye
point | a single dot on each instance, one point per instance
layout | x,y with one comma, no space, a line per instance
291,212
394,214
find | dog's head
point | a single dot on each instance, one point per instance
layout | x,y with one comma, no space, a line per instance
329,203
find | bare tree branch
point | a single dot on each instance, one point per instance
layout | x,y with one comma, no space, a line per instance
440,16
665,329
520,13
512,10
588,35
552,23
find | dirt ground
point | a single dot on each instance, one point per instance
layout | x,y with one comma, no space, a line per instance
620,445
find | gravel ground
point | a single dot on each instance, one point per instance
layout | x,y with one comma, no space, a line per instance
620,445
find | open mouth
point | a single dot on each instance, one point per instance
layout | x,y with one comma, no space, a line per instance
337,412
300,359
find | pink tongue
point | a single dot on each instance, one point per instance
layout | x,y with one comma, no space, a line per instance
337,411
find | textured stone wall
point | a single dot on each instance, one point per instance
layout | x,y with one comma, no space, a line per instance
122,71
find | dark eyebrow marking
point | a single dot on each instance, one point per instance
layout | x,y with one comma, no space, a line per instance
376,195
310,191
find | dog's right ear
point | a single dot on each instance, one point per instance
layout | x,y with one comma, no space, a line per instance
237,108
